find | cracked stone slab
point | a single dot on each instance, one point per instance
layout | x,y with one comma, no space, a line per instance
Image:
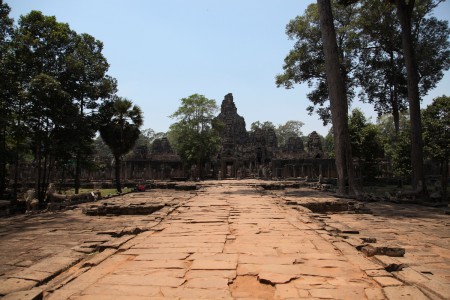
148,280
207,264
208,283
33,294
38,276
10,285
275,278
116,243
404,293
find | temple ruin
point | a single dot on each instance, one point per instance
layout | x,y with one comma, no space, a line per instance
257,154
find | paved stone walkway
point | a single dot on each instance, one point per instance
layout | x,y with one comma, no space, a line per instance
233,240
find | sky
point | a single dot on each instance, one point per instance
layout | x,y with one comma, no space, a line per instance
161,51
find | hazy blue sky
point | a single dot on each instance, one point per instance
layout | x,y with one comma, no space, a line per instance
163,50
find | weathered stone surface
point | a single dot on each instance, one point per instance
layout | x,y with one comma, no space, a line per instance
275,251
274,278
404,292
213,265
387,281
147,280
96,259
208,283
10,285
33,294
123,290
116,243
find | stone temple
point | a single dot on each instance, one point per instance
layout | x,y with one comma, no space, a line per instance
257,154
243,154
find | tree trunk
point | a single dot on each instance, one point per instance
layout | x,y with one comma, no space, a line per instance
444,180
118,185
3,163
395,112
338,100
77,173
404,13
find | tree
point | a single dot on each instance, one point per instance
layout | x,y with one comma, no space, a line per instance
289,129
381,72
263,126
39,99
404,14
366,143
119,123
84,77
396,144
195,135
436,121
338,99
49,122
305,63
144,143
6,35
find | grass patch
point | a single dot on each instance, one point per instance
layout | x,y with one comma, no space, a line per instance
104,192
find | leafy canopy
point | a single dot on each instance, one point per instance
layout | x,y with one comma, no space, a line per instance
195,135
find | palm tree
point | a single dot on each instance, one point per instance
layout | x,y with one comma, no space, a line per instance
120,121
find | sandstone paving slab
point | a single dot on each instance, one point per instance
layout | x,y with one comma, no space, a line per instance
404,293
208,283
33,294
154,264
209,264
118,297
339,293
229,274
116,290
157,256
72,285
387,281
196,293
38,276
10,285
233,258
142,280
253,259
176,273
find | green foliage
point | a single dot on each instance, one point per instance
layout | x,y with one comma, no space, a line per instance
290,129
144,143
305,63
366,143
436,125
51,81
195,135
328,144
397,146
6,35
119,123
381,71
370,53
263,126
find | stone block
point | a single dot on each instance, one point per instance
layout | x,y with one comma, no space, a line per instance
10,285
404,293
387,281
33,294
